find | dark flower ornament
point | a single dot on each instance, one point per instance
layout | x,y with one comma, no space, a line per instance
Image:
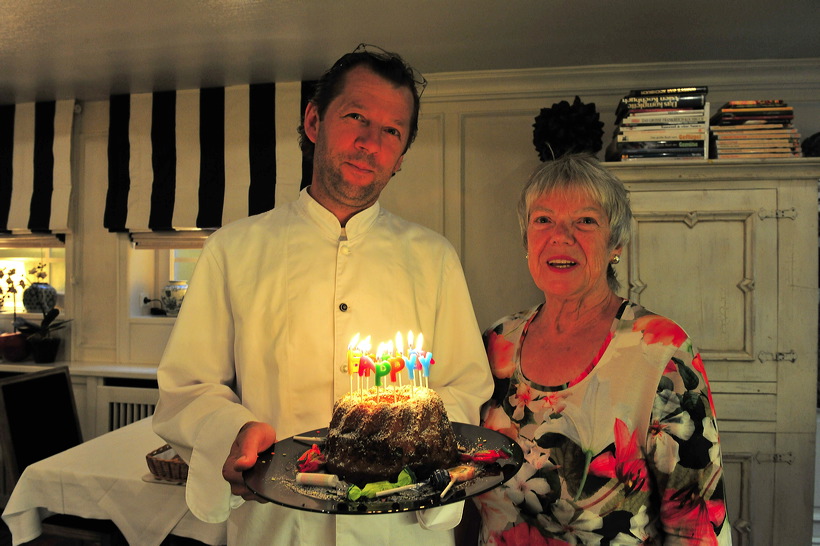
564,129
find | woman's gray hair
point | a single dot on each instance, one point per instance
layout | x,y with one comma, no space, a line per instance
581,172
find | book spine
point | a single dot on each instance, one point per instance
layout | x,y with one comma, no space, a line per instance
771,109
641,127
785,133
672,158
745,123
663,136
734,144
656,154
757,155
701,90
663,145
662,120
664,101
749,127
753,103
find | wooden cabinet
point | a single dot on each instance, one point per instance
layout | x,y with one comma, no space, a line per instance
729,250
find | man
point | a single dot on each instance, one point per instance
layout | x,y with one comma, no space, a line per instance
258,351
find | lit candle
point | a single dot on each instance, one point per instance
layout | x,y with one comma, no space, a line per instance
366,366
382,368
411,367
425,362
425,359
396,365
353,356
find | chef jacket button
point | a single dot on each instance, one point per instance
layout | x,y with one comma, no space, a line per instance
346,250
343,368
343,307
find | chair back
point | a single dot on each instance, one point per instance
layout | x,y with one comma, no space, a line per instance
38,418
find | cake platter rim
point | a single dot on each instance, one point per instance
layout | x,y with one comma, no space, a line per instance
273,477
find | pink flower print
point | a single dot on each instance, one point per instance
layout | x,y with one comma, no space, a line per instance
687,514
500,353
537,456
658,329
554,403
627,466
499,421
522,398
496,509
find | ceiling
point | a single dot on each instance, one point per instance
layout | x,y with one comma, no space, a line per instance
90,49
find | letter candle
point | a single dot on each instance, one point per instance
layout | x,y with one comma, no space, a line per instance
398,362
389,360
425,362
366,366
353,356
411,367
396,365
382,368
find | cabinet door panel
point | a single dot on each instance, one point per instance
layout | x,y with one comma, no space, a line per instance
706,260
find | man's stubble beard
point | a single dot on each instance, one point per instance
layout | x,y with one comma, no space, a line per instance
346,193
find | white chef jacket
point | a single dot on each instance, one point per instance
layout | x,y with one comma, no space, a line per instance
263,334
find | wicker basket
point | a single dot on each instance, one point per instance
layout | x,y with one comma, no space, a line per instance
165,464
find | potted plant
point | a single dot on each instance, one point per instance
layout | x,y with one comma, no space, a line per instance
13,345
43,346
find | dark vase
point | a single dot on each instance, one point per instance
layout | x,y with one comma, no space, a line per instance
40,297
13,346
44,350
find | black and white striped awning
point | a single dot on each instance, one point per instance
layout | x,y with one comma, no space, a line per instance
187,160
35,167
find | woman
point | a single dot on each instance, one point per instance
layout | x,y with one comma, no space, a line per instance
609,402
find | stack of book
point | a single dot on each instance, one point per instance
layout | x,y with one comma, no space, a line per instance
754,129
670,123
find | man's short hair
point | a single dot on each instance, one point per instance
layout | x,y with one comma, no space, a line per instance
389,66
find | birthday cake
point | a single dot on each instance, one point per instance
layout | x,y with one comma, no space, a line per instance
376,432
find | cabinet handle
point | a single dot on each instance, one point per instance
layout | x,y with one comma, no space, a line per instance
764,356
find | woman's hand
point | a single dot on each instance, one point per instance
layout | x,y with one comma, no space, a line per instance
253,438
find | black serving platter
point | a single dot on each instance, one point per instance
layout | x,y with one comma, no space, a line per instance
273,478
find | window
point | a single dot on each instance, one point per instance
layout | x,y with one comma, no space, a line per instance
183,262
174,265
155,259
24,259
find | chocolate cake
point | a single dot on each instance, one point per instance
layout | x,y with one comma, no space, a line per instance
374,434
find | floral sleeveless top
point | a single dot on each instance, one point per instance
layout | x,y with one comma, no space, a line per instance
627,453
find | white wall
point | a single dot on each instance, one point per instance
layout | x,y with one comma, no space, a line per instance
461,178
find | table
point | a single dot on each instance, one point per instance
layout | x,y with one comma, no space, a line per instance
103,479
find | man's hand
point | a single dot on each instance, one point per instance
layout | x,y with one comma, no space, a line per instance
253,438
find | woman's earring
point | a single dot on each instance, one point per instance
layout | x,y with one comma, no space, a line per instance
616,259
527,256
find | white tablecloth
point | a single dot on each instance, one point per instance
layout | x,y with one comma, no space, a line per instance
103,479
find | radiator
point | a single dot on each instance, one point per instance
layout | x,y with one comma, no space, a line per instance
120,406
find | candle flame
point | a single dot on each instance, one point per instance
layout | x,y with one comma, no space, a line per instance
365,345
399,344
353,342
419,342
